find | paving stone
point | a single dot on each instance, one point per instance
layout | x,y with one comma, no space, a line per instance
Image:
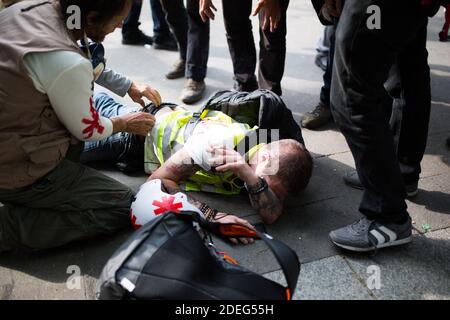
432,204
419,270
305,230
326,279
39,276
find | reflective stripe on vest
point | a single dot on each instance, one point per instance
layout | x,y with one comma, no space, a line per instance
169,138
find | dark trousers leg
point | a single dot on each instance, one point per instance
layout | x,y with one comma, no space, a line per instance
416,92
176,16
363,59
326,88
72,202
240,39
446,25
161,29
198,43
192,35
131,23
272,55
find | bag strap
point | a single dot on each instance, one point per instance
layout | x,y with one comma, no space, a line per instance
286,257
192,123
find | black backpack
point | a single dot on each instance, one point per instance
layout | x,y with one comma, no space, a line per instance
173,258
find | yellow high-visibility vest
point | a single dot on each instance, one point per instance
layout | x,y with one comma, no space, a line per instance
168,136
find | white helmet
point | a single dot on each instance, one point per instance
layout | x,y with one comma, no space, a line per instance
151,201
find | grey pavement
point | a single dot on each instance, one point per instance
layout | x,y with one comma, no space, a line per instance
420,270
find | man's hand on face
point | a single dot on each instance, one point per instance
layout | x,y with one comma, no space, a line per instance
271,13
139,91
229,160
331,8
206,10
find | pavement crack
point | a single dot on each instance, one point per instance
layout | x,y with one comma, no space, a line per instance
330,154
316,201
360,280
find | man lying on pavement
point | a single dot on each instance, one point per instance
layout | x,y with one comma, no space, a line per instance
199,152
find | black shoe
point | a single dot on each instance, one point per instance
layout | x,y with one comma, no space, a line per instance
351,178
249,86
448,142
167,43
131,159
443,37
316,118
136,38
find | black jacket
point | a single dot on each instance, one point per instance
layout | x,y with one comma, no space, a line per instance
431,7
261,107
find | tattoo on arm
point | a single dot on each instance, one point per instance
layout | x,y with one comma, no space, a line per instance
173,187
267,204
179,167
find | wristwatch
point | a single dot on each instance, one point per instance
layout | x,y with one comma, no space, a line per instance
258,188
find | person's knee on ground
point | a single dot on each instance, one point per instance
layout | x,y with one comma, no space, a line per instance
104,211
7,241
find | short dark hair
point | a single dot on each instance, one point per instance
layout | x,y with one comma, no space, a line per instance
104,9
295,166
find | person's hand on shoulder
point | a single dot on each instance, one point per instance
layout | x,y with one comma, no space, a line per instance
139,91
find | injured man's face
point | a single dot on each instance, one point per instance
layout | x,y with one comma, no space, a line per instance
286,166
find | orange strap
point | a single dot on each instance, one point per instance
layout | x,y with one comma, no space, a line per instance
237,230
288,294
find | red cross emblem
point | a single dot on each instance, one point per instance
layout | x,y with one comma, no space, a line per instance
167,204
92,124
133,221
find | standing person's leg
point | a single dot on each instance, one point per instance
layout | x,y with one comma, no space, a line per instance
241,43
362,62
415,79
131,34
321,114
443,35
272,55
197,54
72,202
162,37
176,16
409,87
